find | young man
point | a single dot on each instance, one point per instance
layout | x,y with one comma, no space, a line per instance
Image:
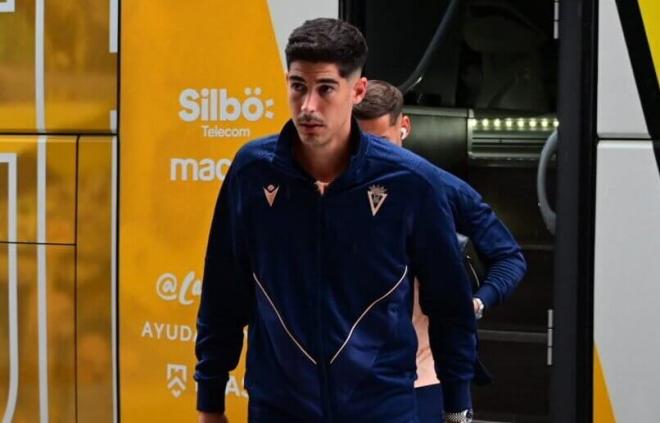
381,113
317,235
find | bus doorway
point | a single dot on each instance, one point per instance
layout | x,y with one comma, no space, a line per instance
480,81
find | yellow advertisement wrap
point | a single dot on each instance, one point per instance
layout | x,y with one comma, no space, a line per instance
198,80
650,10
603,412
60,182
58,74
58,67
17,67
37,280
80,66
94,282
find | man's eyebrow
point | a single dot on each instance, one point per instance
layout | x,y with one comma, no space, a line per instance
297,78
327,81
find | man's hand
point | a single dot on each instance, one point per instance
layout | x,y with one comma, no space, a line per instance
212,418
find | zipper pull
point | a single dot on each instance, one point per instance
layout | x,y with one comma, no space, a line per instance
321,186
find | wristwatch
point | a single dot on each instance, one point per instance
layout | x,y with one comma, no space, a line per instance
464,416
479,313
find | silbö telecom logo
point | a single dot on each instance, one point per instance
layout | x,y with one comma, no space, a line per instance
209,105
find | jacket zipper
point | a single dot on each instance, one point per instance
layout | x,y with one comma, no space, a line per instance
323,362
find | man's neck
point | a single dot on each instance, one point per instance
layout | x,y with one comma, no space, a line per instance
326,162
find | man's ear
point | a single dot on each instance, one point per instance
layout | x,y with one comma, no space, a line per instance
359,89
406,127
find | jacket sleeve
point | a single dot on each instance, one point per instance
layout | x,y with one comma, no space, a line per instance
495,245
226,301
446,298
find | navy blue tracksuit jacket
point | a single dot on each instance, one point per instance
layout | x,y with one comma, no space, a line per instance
325,283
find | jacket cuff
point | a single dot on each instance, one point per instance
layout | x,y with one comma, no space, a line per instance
456,396
211,395
488,295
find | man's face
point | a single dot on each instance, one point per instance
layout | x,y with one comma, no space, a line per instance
321,101
382,126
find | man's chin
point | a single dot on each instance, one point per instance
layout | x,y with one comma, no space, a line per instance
310,139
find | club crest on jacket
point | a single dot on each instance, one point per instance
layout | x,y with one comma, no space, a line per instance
377,195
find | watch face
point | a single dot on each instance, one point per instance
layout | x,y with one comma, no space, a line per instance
480,308
481,304
460,417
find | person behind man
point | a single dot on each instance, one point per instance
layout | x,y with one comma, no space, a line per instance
381,113
317,235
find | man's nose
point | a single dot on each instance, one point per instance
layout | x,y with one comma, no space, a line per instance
310,102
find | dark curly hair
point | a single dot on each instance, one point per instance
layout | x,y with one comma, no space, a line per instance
328,40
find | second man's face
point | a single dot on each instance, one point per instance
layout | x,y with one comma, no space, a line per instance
321,101
383,127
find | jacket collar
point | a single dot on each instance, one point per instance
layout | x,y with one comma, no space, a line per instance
359,143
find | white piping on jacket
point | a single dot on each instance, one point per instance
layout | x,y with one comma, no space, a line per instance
405,272
282,321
